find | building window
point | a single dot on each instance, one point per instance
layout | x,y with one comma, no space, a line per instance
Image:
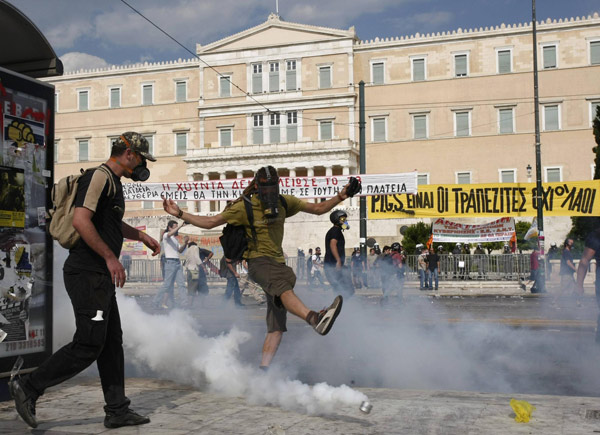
463,178
377,73
147,95
324,77
420,126
422,179
594,111
115,98
273,76
325,130
257,130
378,129
275,127
257,78
595,52
83,100
553,175
225,86
290,75
551,117
84,150
461,65
181,144
418,69
504,61
181,91
225,137
549,53
462,124
292,127
147,205
507,176
505,121
150,139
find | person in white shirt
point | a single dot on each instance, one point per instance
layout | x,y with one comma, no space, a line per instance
173,268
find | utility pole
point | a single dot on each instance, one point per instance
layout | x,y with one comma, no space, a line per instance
363,168
539,195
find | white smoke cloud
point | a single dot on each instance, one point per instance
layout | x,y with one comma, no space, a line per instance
170,346
75,61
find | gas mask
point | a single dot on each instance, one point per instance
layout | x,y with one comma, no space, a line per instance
344,223
140,172
268,193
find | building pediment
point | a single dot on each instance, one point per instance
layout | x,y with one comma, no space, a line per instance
275,32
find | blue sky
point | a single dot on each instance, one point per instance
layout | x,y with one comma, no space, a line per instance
97,33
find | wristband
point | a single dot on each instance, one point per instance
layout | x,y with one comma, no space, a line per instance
180,214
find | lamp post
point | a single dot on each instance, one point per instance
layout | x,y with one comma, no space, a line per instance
528,173
539,192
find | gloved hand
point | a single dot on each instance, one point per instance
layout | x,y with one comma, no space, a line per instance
354,187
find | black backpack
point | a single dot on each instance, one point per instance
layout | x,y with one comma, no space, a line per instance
234,240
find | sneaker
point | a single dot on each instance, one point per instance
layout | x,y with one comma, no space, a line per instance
328,315
25,404
130,418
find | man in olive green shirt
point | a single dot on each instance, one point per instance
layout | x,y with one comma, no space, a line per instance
265,255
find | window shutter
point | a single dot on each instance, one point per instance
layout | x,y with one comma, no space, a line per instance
420,126
326,133
507,176
257,79
506,121
150,140
421,179
181,142
462,123
463,178
504,61
274,77
292,133
83,100
550,118
225,137
225,87
324,77
115,97
257,136
379,130
147,97
181,92
550,56
83,151
595,52
418,70
378,72
460,65
553,175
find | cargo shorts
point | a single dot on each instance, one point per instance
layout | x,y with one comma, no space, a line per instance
274,278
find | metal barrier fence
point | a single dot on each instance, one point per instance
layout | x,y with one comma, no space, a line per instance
452,267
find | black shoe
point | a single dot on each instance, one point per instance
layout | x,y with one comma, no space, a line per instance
130,418
25,404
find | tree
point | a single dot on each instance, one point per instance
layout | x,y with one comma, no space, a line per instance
415,234
583,225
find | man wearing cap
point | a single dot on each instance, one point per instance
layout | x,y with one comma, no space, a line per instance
91,273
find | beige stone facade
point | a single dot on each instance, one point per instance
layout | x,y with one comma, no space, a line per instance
457,107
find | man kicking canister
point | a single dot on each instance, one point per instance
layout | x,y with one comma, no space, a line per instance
265,255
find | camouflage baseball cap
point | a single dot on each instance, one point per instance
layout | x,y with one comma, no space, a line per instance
137,143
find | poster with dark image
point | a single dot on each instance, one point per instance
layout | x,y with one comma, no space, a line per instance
12,197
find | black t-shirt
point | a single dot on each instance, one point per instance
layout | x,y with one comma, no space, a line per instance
593,242
203,253
433,261
566,257
335,233
93,194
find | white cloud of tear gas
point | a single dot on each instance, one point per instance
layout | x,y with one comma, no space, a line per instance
170,346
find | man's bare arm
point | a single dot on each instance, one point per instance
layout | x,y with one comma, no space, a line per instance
206,222
323,207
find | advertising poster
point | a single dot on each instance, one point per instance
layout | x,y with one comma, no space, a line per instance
12,197
134,247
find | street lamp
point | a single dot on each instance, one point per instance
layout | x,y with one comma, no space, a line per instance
528,173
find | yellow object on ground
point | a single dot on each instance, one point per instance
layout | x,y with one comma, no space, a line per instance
522,410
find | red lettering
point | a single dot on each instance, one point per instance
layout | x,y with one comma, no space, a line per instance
220,185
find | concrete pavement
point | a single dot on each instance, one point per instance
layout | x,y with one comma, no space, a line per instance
75,407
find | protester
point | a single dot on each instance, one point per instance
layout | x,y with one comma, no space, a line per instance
300,264
567,269
126,262
316,268
309,267
552,254
227,270
591,250
335,255
196,262
358,268
173,268
433,266
91,273
422,268
534,266
265,254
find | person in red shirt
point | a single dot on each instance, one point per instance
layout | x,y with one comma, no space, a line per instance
534,263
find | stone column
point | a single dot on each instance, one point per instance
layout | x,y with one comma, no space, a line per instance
205,205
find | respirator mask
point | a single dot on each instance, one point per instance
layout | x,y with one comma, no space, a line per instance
268,193
140,172
344,223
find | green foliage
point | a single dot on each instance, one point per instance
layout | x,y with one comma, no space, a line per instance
521,228
415,234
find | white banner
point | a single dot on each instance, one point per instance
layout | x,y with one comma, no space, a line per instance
301,187
453,232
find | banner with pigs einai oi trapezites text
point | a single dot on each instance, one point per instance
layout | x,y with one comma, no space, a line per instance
570,198
301,187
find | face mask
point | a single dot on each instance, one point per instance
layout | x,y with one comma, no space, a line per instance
344,225
268,193
140,172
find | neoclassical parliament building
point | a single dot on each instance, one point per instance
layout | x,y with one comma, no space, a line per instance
457,107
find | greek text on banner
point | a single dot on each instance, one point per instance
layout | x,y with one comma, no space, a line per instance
572,198
445,231
301,187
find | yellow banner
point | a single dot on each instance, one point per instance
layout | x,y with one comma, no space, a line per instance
575,198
